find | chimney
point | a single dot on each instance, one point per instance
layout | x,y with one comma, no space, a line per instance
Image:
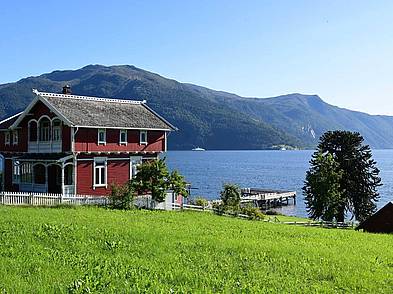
67,89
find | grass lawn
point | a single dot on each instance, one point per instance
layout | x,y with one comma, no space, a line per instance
46,250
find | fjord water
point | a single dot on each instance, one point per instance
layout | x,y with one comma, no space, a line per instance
208,170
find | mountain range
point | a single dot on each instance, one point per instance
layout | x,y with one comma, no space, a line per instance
208,118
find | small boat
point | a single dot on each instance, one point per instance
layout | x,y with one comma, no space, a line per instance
198,149
283,149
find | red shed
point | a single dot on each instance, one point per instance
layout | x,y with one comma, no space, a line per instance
71,144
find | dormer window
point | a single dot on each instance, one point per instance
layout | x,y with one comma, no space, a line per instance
15,137
123,137
101,136
7,139
143,137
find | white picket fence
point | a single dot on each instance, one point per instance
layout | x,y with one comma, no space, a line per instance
48,199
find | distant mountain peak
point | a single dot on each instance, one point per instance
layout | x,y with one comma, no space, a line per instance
205,117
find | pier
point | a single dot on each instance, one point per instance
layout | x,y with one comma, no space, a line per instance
266,198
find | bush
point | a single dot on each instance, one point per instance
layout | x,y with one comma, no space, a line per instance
253,212
218,208
122,196
272,212
200,201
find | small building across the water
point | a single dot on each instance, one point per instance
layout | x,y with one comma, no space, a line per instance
380,222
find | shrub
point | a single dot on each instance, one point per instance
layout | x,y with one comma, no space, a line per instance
122,196
272,212
253,212
200,201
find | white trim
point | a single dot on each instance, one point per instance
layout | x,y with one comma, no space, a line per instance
101,185
11,117
140,137
7,134
58,113
117,128
15,137
103,99
134,161
46,103
25,112
126,137
75,161
161,118
98,137
166,145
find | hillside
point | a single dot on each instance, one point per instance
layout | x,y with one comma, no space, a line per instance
208,118
93,250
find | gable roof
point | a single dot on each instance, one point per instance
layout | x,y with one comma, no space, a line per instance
379,222
94,112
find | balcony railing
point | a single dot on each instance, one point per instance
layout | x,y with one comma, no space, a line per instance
44,146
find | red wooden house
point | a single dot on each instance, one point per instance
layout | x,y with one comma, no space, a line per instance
63,143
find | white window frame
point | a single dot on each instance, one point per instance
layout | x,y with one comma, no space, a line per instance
7,138
56,130
102,169
142,142
45,132
15,137
135,161
100,142
125,141
15,172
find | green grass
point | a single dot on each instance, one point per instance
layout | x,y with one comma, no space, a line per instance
44,250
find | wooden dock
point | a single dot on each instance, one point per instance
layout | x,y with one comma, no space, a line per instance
266,198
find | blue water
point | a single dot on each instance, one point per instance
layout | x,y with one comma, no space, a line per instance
207,171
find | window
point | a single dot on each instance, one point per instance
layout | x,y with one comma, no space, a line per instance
15,137
16,172
68,175
26,173
45,130
7,138
135,161
143,137
123,137
100,172
101,136
56,130
32,131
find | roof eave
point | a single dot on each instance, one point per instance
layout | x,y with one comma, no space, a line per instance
172,127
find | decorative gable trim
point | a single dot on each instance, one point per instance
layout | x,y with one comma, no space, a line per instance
46,103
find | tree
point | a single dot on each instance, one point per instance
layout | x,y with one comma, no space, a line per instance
356,173
153,177
323,195
230,195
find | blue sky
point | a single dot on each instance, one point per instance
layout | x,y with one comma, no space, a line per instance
340,50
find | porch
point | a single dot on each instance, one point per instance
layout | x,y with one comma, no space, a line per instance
45,173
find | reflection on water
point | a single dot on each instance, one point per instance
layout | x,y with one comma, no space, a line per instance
208,170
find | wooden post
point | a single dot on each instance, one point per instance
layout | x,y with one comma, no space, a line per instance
62,182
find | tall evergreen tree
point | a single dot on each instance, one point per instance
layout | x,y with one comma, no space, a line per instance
324,198
359,174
